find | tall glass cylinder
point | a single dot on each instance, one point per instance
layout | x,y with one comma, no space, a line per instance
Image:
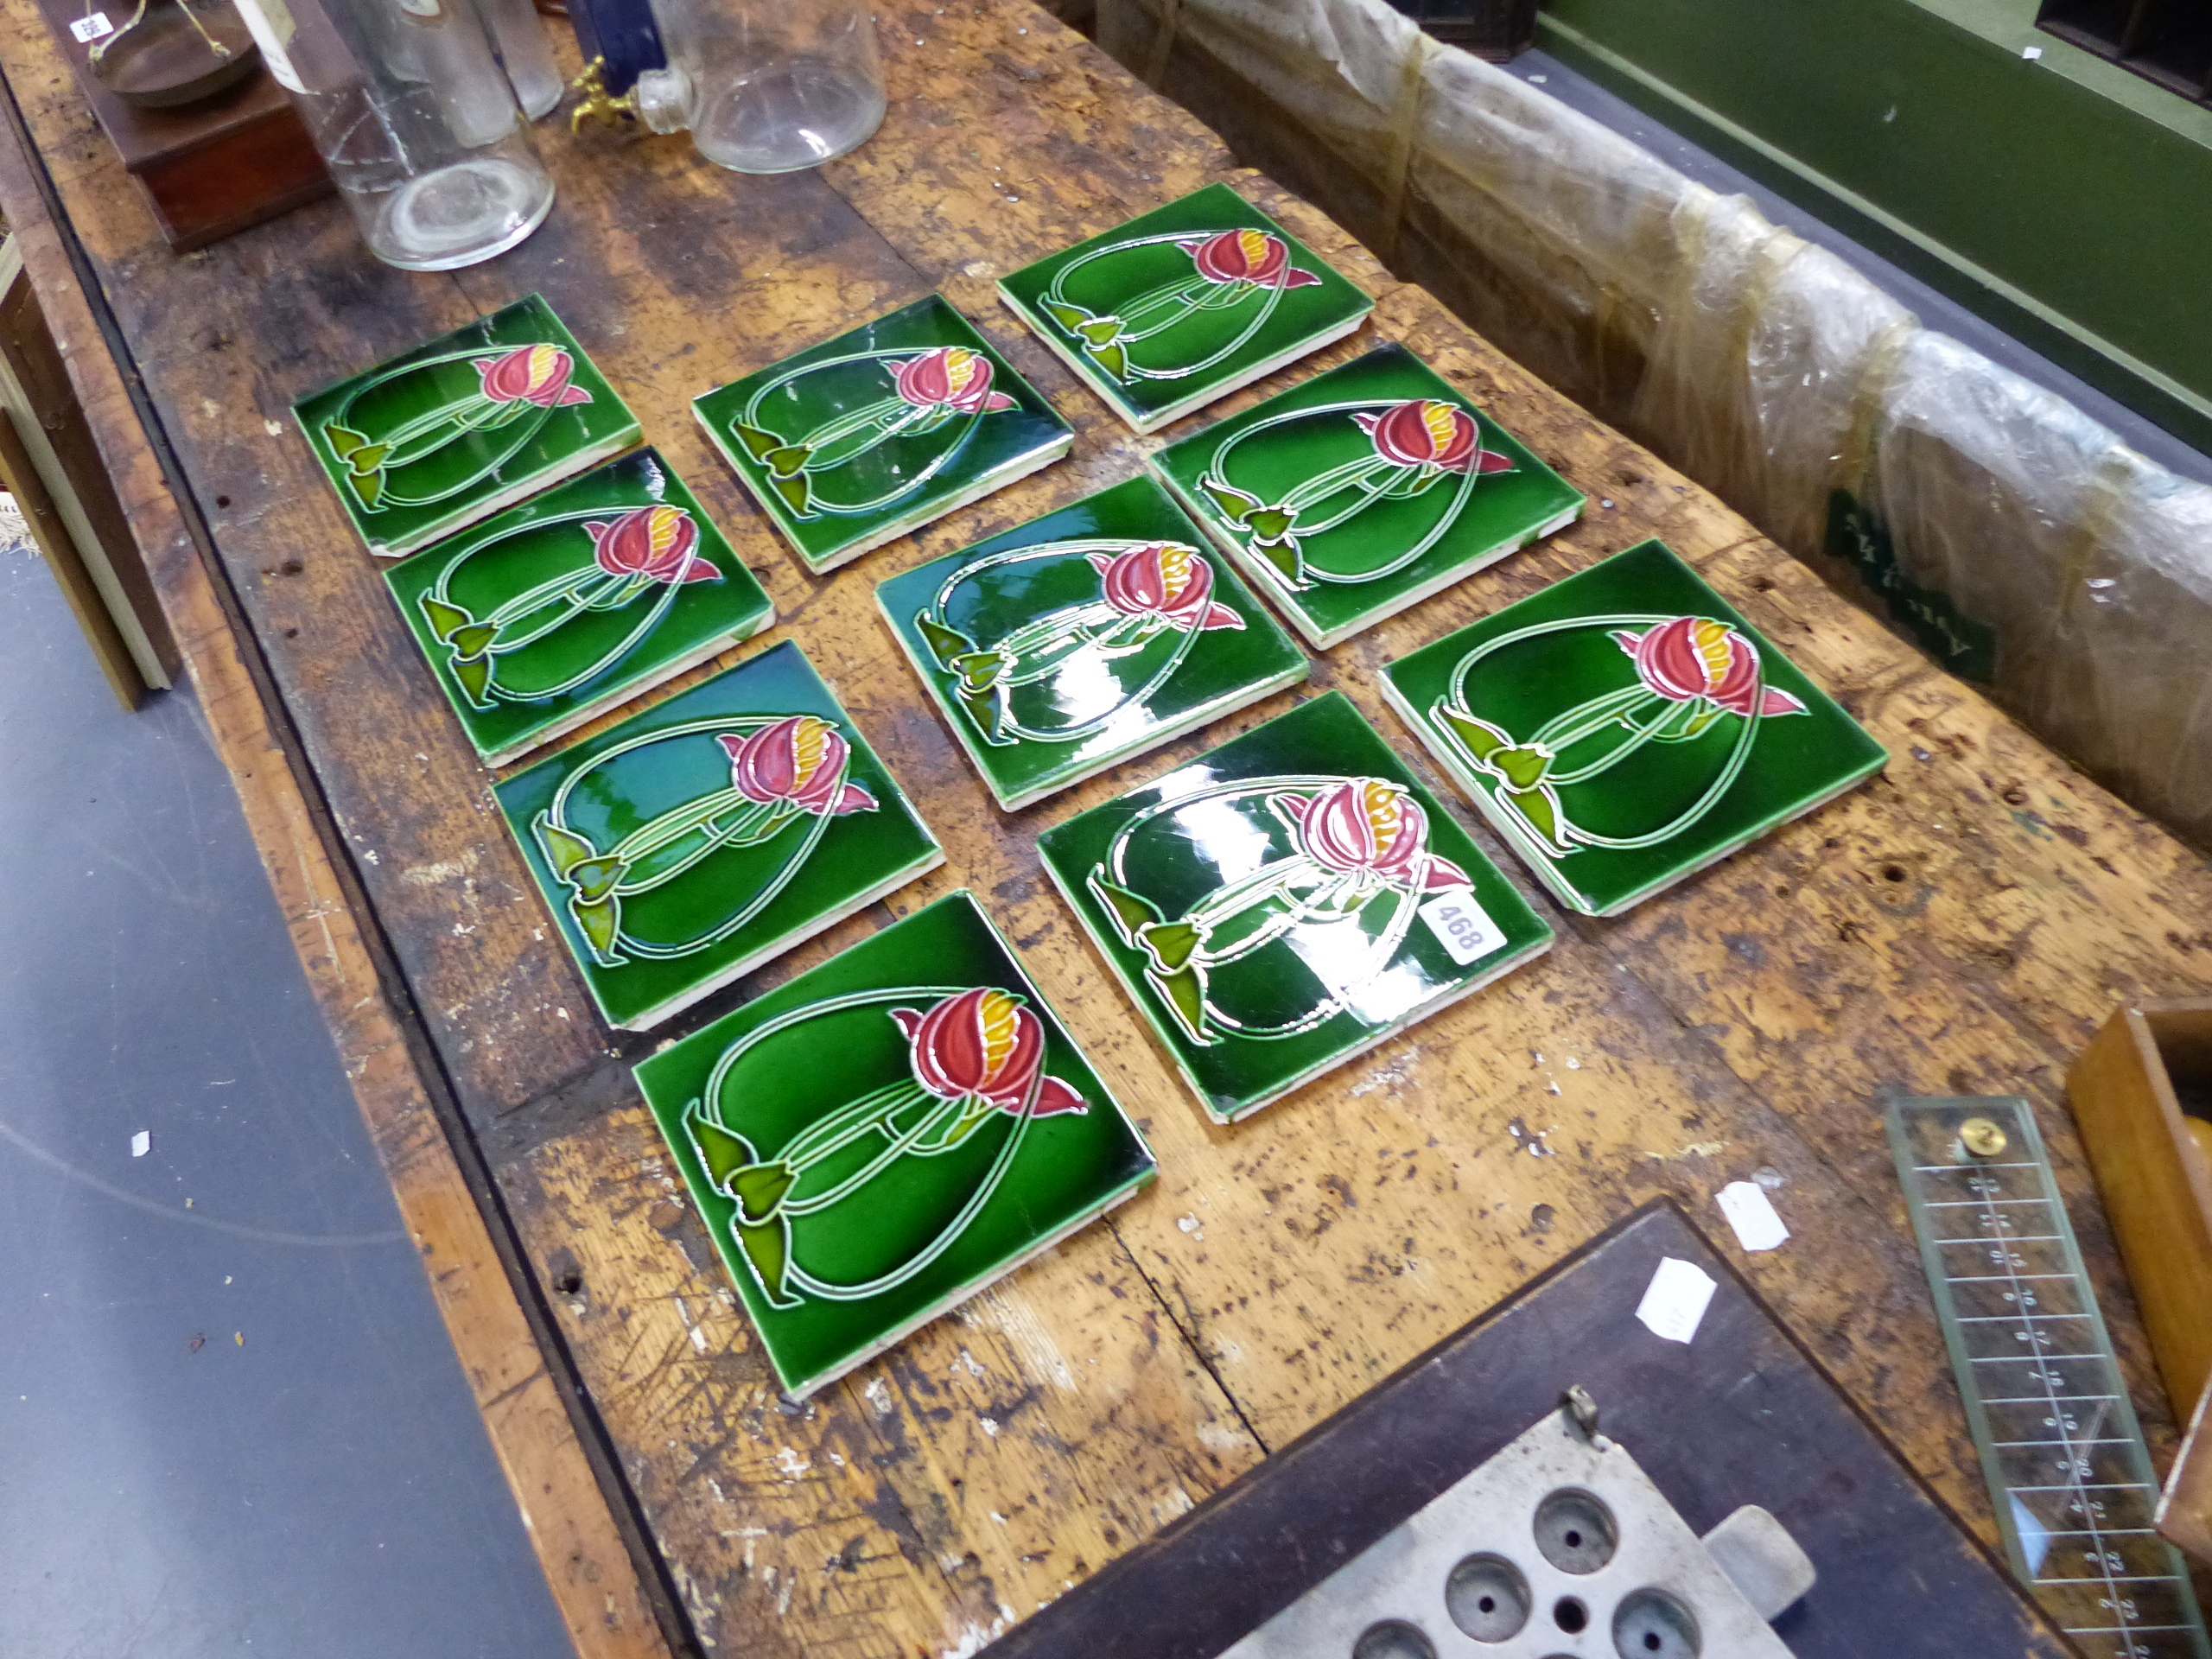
767,85
409,106
519,33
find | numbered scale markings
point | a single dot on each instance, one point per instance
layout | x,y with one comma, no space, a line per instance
2059,1444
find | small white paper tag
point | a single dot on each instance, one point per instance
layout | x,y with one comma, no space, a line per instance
142,1143
1676,1299
1752,1213
271,25
91,26
1462,926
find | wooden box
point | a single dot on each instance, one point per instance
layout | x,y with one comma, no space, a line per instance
209,170
2130,1089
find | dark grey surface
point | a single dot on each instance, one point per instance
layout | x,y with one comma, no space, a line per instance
230,1419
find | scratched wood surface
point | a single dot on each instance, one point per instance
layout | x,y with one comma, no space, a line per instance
1962,926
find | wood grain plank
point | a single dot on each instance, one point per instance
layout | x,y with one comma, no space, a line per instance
1749,1021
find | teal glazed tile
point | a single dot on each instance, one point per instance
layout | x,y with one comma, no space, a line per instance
1626,727
854,443
451,432
1184,304
552,613
886,1135
1364,491
711,832
1285,902
1084,637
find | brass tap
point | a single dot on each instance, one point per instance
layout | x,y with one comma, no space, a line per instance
599,105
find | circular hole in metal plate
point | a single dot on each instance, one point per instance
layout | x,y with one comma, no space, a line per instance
1652,1624
1575,1531
1487,1598
1570,1615
1393,1639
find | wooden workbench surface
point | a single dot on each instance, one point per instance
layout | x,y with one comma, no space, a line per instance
1960,926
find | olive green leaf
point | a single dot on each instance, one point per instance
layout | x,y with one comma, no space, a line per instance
757,441
444,617
1131,912
721,1154
1184,994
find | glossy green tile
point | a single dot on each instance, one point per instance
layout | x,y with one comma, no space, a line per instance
1084,637
711,832
1184,304
451,432
1285,902
1364,491
552,613
854,443
880,1138
1626,727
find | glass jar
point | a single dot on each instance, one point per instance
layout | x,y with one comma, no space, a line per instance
525,53
767,85
409,106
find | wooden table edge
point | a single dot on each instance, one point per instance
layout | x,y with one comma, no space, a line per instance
605,1577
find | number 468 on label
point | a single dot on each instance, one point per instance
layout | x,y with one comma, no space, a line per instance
1462,926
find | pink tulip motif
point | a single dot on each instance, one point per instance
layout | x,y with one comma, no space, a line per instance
1155,600
791,770
929,390
1692,672
1692,657
509,387
1165,582
654,543
1413,446
1248,255
973,1056
644,549
530,374
1426,432
1228,269
1365,826
1355,872
799,761
984,1044
950,378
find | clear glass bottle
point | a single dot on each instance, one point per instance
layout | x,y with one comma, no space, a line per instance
519,33
767,85
409,106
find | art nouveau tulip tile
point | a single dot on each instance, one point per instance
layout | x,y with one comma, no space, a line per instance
555,610
1364,490
1626,727
1184,304
1085,636
1285,902
442,435
698,839
886,1135
852,443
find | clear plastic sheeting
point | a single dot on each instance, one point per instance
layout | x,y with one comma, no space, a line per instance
2016,540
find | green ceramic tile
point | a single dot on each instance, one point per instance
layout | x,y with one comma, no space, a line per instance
1626,727
711,832
854,443
557,610
875,1141
1364,491
451,432
1084,637
1184,304
1285,902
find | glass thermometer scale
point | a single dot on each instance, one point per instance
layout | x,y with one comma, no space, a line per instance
2060,1447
